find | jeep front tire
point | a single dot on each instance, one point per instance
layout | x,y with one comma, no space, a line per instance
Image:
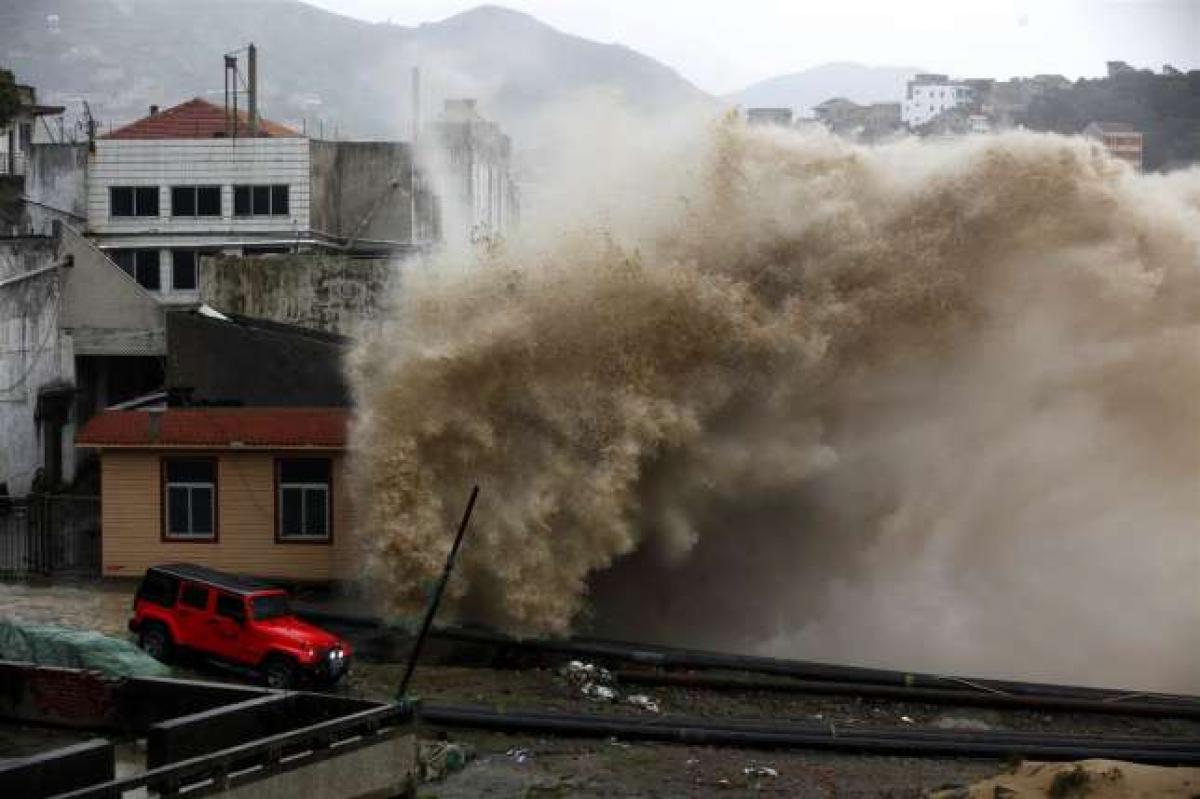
280,672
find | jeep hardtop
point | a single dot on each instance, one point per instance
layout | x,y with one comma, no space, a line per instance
181,607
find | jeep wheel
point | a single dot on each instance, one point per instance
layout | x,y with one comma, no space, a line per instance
280,672
156,642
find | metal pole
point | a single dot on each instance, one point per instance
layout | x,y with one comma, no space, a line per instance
436,600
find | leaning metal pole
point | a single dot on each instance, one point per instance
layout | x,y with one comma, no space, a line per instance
436,599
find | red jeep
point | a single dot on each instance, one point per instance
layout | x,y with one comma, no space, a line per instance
182,607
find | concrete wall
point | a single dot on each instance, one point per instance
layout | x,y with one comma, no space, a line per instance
131,522
56,185
363,191
33,355
333,293
253,363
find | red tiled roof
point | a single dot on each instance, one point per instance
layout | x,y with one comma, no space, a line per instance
218,428
195,119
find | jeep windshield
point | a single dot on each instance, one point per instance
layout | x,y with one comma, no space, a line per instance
270,607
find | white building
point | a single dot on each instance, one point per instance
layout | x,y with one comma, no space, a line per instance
930,95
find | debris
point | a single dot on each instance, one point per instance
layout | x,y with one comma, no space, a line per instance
436,759
906,719
643,702
519,754
755,770
599,693
961,723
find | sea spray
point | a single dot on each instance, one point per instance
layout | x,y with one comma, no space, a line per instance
930,405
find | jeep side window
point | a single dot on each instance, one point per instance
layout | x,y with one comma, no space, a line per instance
231,607
194,596
159,589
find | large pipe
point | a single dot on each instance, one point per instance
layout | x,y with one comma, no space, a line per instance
762,734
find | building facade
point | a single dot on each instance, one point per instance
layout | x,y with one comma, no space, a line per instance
1119,139
929,95
257,491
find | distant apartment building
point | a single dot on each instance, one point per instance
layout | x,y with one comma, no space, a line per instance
866,123
929,95
1120,139
474,160
769,116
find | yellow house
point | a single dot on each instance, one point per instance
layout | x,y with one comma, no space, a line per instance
257,491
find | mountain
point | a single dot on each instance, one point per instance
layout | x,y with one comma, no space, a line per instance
803,90
316,69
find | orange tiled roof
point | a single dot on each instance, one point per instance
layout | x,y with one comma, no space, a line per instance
195,119
218,428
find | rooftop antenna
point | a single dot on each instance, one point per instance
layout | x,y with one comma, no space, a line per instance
252,88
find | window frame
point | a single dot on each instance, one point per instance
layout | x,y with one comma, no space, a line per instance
135,206
280,536
135,254
165,534
278,195
238,600
194,191
185,586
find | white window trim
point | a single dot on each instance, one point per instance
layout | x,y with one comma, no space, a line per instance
212,504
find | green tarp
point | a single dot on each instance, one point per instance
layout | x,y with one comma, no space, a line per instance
47,645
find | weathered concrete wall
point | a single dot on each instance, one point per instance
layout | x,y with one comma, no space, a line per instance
254,363
332,293
387,768
33,355
362,191
56,185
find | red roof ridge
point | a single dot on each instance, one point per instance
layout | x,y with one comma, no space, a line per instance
196,118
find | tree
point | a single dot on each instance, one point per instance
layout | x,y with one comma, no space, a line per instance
10,98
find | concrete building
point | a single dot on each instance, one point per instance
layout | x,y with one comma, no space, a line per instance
769,116
929,95
472,157
19,135
1120,139
868,123
76,335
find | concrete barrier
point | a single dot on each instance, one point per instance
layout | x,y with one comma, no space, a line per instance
65,769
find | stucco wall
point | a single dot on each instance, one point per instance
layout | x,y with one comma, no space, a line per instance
326,292
364,191
56,183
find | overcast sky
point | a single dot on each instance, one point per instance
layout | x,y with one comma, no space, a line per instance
723,45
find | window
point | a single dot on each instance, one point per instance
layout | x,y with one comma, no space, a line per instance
142,265
190,497
260,200
183,270
133,200
159,588
271,606
231,607
196,201
194,596
303,499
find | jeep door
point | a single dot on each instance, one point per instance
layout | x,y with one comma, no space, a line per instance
192,615
230,633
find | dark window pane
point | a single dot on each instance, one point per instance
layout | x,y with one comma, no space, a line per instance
120,200
183,201
146,200
208,201
271,606
315,506
177,510
241,201
202,511
279,200
262,200
290,511
183,270
231,607
124,259
147,269
191,471
304,470
194,596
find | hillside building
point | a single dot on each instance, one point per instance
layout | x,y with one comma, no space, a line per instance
929,95
1120,139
